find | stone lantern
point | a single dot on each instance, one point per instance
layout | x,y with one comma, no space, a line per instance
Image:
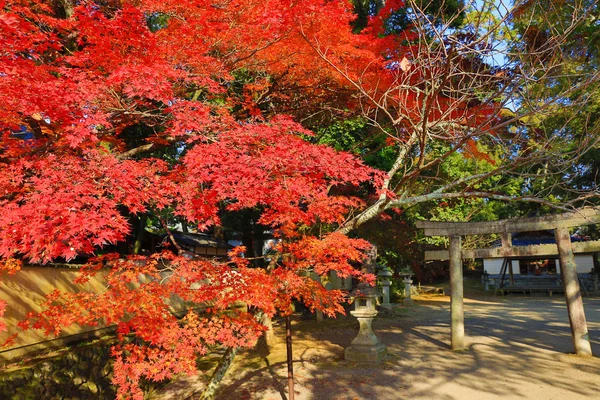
486,281
407,280
366,347
384,279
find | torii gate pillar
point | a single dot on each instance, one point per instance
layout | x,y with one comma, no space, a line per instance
456,295
581,338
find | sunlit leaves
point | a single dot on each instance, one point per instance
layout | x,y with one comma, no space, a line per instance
68,205
152,106
268,165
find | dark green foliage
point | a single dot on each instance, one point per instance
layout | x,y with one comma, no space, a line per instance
357,137
440,12
157,21
571,126
363,9
136,135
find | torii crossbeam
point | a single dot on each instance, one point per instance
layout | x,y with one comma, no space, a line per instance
559,223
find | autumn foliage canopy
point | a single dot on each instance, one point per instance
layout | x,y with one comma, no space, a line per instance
80,81
191,107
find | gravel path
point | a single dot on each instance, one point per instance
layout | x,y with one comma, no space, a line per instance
518,348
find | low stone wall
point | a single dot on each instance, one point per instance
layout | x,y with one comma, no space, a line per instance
80,372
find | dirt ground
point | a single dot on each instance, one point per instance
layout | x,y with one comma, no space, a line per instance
518,348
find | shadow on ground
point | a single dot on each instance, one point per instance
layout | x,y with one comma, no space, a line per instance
517,349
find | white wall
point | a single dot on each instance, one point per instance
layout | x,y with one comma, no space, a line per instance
493,266
584,264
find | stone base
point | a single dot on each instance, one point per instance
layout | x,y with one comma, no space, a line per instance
365,354
408,302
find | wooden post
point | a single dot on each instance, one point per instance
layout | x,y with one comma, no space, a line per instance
456,300
502,275
290,357
581,340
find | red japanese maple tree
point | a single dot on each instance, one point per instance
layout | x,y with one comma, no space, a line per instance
81,80
190,107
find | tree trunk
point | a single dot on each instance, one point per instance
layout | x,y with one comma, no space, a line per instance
269,335
217,376
371,212
268,339
141,233
64,8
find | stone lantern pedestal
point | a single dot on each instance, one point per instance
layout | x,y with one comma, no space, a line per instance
366,347
408,301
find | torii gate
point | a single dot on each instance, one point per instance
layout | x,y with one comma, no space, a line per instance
558,223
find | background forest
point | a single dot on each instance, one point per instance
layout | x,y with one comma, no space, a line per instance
322,124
